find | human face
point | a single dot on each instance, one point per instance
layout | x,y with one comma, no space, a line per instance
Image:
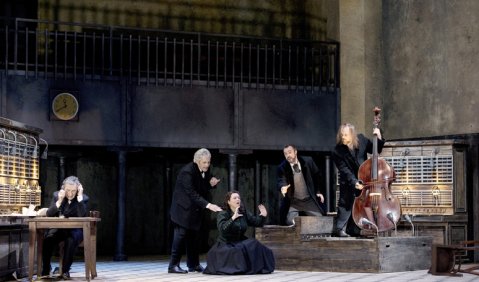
234,201
290,154
346,136
204,163
70,191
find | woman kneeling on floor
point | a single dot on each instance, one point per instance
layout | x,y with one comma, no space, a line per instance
233,252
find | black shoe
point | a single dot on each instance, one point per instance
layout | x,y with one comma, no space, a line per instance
66,276
176,269
46,271
197,268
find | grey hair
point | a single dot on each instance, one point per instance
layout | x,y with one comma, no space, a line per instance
72,180
200,154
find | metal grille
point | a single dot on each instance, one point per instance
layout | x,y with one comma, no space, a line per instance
422,169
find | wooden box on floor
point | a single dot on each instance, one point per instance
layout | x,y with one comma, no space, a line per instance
302,248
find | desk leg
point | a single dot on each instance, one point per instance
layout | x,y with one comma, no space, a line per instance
32,233
93,250
87,249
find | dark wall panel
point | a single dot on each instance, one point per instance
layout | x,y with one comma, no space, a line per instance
182,117
273,118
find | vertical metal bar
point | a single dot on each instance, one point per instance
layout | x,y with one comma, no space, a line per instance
208,65
191,62
166,54
280,62
110,57
182,62
46,53
312,70
147,60
121,56
74,55
174,61
55,58
274,66
217,61
265,65
199,57
36,54
84,55
26,53
93,42
15,47
257,66
297,68
6,50
139,60
65,56
156,60
102,57
241,66
320,76
224,68
233,65
304,68
289,67
249,65
130,57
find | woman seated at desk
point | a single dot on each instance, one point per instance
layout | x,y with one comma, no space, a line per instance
233,252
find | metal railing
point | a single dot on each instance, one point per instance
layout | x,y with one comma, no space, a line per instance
62,50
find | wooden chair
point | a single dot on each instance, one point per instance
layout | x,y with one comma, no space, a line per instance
95,214
447,259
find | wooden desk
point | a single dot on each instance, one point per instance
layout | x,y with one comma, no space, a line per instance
37,227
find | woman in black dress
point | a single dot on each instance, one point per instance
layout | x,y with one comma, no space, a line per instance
233,252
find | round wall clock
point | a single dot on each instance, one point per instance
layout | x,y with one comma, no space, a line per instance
65,106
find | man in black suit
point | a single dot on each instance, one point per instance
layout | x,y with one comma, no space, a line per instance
69,203
187,206
298,181
350,152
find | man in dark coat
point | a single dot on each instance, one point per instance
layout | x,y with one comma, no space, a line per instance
187,206
69,203
350,152
298,181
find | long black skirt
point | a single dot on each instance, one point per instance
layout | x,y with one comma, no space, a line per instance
244,257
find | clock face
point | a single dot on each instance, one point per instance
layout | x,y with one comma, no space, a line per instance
65,106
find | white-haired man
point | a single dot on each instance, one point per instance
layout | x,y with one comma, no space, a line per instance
187,206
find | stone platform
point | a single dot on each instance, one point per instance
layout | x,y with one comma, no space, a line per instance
308,246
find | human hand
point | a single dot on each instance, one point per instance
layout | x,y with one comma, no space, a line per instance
377,132
321,197
213,208
284,190
214,181
61,196
80,191
359,186
262,210
237,213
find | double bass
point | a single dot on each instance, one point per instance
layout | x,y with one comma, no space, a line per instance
376,207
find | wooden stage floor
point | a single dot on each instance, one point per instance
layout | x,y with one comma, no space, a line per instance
155,269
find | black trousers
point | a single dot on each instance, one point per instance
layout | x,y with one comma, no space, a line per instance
71,238
344,220
182,238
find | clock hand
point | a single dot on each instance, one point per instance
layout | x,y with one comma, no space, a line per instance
61,108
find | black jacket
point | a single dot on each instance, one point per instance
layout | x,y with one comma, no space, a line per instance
189,197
